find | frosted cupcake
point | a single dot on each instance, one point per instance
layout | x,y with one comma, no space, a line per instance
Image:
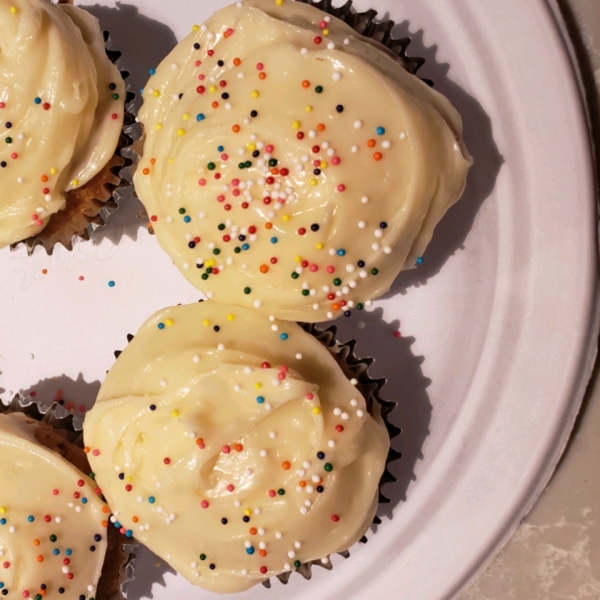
290,164
62,106
235,446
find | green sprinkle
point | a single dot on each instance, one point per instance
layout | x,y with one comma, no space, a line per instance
328,467
374,271
360,306
295,275
9,140
337,281
319,89
216,251
211,166
182,211
281,491
273,162
116,96
247,290
305,292
221,226
297,564
203,557
237,249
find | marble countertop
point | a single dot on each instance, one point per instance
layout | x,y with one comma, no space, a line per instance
555,553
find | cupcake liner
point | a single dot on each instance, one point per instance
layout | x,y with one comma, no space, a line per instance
119,562
89,206
356,369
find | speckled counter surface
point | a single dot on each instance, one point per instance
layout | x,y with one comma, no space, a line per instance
555,554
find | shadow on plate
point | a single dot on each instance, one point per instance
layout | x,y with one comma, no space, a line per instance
143,43
452,231
150,570
406,385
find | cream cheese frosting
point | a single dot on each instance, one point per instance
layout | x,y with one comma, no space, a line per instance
61,110
52,521
292,165
234,446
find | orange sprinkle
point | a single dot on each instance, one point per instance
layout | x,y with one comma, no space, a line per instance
306,83
236,129
44,178
320,127
36,542
262,75
262,552
44,271
199,441
237,62
105,509
286,465
87,449
146,171
274,171
377,156
264,269
105,524
215,104
268,225
335,306
238,447
152,161
253,531
302,484
135,519
40,558
371,143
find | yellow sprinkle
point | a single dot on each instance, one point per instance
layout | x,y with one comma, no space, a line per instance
296,124
52,171
211,263
323,165
2,510
325,31
247,512
298,259
195,27
129,479
158,126
286,217
13,10
257,386
212,89
230,317
206,322
157,564
308,108
156,93
251,147
316,410
319,246
186,117
175,413
75,182
279,2
171,161
313,181
180,132
255,94
168,322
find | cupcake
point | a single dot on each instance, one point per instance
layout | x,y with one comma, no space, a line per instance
290,164
53,522
235,446
62,110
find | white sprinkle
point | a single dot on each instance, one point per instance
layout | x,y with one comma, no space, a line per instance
201,215
194,565
221,347
229,107
387,250
325,560
312,134
237,387
139,499
309,489
345,416
257,304
354,149
304,51
403,135
375,246
315,478
298,545
303,510
336,76
257,511
278,535
274,327
308,502
287,567
237,503
267,406
360,413
248,472
337,411
291,554
329,315
263,453
12,529
353,402
163,383
247,544
241,75
331,46
244,572
306,464
378,233
262,545
331,443
298,356
272,435
327,19
386,144
347,42
358,124
174,66
247,370
363,274
19,180
301,472
315,307
196,358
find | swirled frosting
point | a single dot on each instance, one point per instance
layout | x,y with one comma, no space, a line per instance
234,446
52,522
61,110
291,165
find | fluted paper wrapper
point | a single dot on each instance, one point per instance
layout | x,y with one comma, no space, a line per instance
119,561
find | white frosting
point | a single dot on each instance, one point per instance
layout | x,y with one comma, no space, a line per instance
233,445
60,120
388,152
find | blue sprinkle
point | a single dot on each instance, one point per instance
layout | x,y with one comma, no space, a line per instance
56,551
284,336
152,72
117,525
38,100
152,499
187,219
273,240
250,550
68,551
129,533
1,584
2,521
260,399
111,283
141,90
84,501
380,131
341,252
245,246
220,148
161,325
420,260
200,117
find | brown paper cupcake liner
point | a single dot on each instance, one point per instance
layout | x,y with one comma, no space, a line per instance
88,207
62,432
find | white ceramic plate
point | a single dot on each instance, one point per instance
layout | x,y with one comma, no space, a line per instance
499,324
